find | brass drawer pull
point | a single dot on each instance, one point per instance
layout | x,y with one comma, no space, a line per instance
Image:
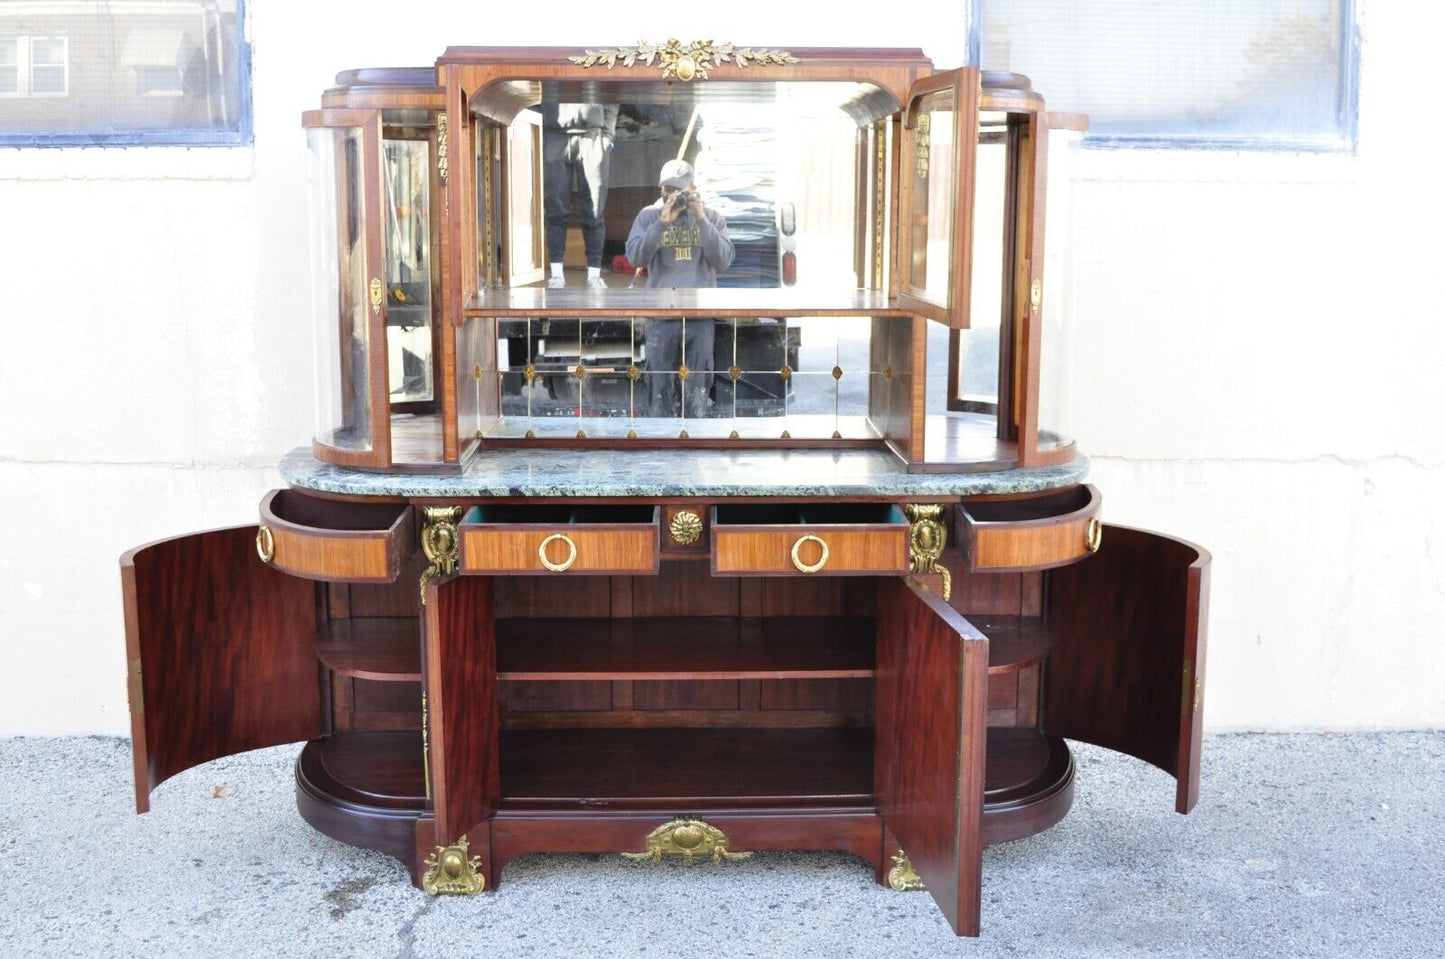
265,544
1094,534
798,560
566,564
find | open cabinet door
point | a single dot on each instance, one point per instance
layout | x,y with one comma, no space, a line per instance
462,715
525,252
1126,668
931,689
935,189
351,262
221,650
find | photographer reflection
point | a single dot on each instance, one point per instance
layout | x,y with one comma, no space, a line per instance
683,245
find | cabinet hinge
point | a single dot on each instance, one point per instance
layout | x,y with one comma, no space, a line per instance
425,747
137,689
1189,697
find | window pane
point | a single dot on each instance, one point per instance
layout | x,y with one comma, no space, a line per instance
176,71
9,66
1235,70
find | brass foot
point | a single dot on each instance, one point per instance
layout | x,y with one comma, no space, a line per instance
450,872
902,877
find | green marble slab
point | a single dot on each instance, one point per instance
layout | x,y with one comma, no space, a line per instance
671,473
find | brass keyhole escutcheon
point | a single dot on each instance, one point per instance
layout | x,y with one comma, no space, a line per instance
566,564
1094,535
265,544
798,558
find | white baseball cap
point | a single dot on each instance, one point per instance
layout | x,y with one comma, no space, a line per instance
676,174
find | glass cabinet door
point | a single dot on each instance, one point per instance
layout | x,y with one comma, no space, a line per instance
936,195
349,295
409,272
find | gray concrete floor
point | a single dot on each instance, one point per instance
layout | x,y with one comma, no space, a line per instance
1320,845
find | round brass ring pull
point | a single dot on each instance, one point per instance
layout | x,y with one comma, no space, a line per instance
798,560
1094,535
566,564
265,544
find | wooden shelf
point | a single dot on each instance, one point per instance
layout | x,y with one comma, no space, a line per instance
717,302
388,649
372,770
1028,784
686,768
1014,642
685,648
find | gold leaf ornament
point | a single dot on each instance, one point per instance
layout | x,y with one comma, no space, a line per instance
685,62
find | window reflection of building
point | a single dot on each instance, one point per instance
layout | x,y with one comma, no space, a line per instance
34,66
120,71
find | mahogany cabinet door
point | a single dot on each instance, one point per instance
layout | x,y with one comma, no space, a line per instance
931,728
221,651
462,716
1126,669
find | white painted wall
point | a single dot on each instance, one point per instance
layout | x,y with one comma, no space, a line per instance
1257,338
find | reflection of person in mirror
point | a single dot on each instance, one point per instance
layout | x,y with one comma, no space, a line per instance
577,142
683,245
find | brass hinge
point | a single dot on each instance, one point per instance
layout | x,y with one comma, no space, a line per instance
425,747
1189,696
137,689
443,149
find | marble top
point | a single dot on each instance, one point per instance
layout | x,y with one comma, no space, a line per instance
670,473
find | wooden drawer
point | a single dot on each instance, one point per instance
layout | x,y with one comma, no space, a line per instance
1026,534
530,539
331,540
825,539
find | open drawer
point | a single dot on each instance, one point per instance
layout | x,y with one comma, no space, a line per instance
1026,534
332,540
530,539
794,539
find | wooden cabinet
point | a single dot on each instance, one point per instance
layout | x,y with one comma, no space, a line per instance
519,597
532,710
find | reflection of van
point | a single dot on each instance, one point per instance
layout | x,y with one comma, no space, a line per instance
736,169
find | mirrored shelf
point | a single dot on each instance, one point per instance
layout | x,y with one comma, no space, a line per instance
722,301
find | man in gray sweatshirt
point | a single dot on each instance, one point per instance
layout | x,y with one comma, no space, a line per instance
683,245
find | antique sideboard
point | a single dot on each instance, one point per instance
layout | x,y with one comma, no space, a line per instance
857,599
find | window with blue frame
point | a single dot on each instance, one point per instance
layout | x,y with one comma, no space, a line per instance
1270,74
124,73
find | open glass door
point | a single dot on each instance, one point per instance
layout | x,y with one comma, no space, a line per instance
524,254
349,293
221,650
936,195
929,755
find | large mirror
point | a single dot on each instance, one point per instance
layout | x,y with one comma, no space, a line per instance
647,192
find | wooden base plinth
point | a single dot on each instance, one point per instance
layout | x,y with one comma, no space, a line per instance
603,791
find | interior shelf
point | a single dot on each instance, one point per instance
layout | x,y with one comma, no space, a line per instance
360,781
1014,642
386,649
686,768
707,302
804,647
373,769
